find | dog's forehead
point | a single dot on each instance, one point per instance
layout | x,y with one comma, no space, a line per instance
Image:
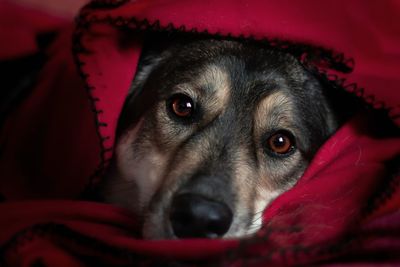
213,79
232,80
253,82
248,72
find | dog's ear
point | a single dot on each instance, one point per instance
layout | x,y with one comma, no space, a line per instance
340,104
154,50
343,105
147,63
139,100
157,48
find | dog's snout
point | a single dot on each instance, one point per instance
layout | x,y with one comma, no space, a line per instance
195,216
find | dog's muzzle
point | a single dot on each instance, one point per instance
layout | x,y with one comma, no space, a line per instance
194,216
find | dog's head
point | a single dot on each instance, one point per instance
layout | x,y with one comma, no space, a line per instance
212,132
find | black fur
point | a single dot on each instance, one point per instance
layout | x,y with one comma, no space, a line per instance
254,74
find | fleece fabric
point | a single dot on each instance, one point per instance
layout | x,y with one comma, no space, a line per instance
58,141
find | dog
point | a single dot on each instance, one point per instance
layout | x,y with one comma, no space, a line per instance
213,131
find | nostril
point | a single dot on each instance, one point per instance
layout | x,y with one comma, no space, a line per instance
196,216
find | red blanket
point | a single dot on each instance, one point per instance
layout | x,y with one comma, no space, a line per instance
56,144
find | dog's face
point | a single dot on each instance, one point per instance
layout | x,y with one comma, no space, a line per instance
212,132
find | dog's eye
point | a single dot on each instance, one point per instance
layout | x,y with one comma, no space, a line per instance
181,106
281,143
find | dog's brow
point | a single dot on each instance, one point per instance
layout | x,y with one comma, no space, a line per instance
213,85
273,111
213,78
208,80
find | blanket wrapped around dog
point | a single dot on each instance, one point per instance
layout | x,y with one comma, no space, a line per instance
56,142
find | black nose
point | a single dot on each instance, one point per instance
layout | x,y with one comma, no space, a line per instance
195,216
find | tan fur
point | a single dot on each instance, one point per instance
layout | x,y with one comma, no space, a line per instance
244,183
145,178
273,111
138,170
189,161
219,79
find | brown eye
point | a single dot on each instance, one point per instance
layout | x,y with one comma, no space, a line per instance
181,106
281,142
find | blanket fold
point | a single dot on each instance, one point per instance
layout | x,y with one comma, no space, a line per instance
57,143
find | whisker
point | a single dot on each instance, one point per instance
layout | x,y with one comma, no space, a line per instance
257,216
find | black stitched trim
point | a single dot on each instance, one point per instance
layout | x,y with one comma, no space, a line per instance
106,3
388,186
369,100
65,237
319,253
289,254
59,233
312,56
315,58
329,58
79,49
38,263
